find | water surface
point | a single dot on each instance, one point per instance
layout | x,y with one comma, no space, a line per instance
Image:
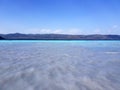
59,65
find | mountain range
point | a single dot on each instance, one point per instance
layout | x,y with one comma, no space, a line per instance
19,36
1,38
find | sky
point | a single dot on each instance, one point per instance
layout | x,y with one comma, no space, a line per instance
60,16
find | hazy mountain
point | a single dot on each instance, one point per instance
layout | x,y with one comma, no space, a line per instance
1,38
18,36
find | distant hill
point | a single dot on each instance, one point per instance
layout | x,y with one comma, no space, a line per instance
1,38
18,36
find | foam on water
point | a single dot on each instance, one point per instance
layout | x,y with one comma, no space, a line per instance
74,65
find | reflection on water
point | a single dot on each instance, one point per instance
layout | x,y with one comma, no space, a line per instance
60,65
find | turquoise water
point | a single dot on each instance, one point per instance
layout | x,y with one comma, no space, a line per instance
59,65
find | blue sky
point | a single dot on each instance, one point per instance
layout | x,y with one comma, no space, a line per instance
60,16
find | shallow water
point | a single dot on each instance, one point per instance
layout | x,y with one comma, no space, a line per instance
59,65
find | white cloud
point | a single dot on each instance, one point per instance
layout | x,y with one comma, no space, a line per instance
97,31
115,26
74,31
41,31
51,31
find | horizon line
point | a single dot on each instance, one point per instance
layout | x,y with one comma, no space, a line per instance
55,34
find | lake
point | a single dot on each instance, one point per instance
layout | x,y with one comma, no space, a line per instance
59,65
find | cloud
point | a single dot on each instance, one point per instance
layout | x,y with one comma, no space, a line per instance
40,31
97,31
51,31
114,29
74,31
115,26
